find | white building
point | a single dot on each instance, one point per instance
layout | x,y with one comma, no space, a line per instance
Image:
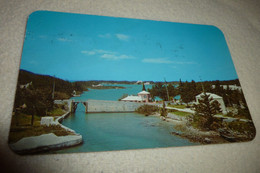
142,96
214,97
231,87
139,82
26,85
99,85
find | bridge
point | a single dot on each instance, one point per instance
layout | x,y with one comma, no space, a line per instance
105,106
102,106
74,105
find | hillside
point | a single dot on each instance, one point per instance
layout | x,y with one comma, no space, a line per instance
34,93
63,89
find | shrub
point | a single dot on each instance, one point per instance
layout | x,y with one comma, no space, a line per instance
202,123
147,109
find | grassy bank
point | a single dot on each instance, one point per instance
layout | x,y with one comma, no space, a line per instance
179,113
21,125
178,106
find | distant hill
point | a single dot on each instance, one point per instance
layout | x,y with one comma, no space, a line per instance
62,88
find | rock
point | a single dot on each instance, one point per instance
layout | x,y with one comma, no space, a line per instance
176,133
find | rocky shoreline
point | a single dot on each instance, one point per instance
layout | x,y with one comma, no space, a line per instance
194,135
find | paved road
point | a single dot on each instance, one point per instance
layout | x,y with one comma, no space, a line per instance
182,110
230,119
227,119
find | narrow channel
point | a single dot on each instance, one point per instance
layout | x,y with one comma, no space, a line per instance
119,131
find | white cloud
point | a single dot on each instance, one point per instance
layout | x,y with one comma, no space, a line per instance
115,57
157,60
122,37
165,61
104,35
96,51
184,62
104,51
110,55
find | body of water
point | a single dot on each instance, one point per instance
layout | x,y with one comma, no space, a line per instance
119,131
111,94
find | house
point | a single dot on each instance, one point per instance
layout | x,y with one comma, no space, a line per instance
142,96
231,87
99,85
26,85
214,97
132,98
145,95
139,82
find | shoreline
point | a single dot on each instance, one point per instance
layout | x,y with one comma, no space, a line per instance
193,135
47,142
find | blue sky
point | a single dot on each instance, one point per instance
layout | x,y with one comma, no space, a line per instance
88,47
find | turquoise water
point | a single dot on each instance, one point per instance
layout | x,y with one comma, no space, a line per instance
119,131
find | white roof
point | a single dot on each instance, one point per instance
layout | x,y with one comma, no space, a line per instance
211,95
139,81
143,92
132,98
231,87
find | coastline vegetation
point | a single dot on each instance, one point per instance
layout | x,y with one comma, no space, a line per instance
147,109
205,120
204,126
18,132
35,98
178,106
22,125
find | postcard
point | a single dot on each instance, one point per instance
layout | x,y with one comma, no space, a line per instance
92,83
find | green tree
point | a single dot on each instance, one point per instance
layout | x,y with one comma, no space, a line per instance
172,90
206,109
147,109
163,111
188,91
185,93
158,90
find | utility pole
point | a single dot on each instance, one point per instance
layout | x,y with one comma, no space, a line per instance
202,85
167,89
53,88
